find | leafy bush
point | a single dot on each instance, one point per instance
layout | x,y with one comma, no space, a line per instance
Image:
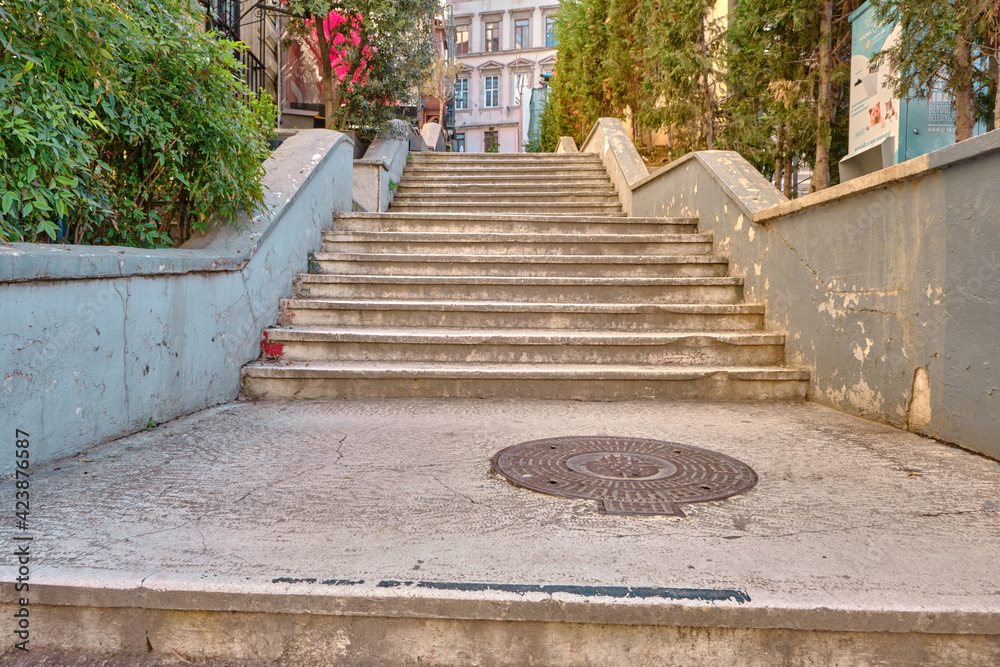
122,123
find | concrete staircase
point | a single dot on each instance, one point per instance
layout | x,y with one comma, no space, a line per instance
502,276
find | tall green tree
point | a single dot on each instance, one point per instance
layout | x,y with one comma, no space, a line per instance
623,62
655,62
937,48
373,54
580,93
769,81
772,85
680,51
787,71
993,25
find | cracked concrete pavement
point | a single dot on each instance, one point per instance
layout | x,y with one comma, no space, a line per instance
848,514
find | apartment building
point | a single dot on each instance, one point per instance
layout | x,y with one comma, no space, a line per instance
502,48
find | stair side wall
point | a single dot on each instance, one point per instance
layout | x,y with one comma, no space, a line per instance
98,341
888,286
622,162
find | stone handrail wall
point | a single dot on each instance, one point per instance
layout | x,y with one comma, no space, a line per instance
99,340
609,139
566,145
888,286
383,162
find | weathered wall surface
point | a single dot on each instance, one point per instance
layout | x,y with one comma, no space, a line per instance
94,341
609,139
566,145
888,286
383,163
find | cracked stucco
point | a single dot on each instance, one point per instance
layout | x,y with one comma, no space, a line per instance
870,287
92,359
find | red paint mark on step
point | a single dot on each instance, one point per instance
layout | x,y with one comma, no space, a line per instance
274,350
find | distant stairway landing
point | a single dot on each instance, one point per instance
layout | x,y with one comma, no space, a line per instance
503,276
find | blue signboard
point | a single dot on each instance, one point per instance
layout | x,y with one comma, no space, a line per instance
912,127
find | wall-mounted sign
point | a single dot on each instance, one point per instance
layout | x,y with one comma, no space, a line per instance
885,130
874,112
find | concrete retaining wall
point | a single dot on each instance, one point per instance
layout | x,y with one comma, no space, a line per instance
96,341
609,139
566,145
888,285
383,163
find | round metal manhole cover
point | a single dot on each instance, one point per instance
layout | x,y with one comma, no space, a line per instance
625,475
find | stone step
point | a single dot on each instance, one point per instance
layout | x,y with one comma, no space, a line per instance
519,244
547,207
457,188
472,178
625,317
623,266
521,289
541,197
585,382
520,346
473,222
493,158
516,161
526,174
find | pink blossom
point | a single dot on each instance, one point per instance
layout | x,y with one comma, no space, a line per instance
342,29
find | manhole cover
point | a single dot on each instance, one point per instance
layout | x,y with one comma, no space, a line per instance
625,475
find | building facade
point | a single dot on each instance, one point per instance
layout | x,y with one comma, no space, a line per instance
252,23
502,48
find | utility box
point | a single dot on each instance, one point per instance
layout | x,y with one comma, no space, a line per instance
885,130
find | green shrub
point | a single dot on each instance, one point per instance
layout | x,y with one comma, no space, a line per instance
122,122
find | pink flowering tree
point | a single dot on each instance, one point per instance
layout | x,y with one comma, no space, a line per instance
372,55
339,45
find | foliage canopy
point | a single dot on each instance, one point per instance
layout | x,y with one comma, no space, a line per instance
770,80
122,123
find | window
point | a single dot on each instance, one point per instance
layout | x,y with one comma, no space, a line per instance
491,91
550,31
492,36
461,39
460,143
461,94
520,34
491,142
520,81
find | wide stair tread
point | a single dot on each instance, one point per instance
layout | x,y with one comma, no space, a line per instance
550,207
519,307
587,382
558,265
459,217
525,336
405,369
569,316
501,237
521,345
533,222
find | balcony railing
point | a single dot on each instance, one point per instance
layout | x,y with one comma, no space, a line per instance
227,19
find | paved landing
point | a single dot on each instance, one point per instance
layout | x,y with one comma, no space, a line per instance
846,512
389,507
